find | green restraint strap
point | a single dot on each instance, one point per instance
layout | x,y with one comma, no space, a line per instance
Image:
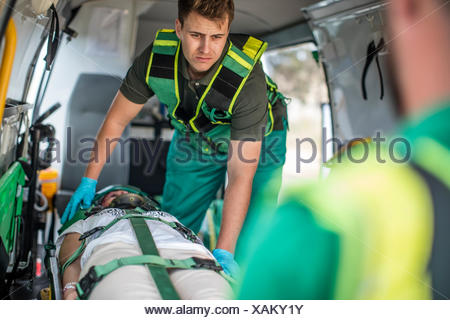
130,215
148,247
73,257
150,260
97,273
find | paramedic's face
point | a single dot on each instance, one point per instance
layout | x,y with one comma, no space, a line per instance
202,41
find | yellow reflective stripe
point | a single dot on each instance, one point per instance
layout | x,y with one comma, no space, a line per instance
271,120
149,67
165,43
219,122
239,60
166,30
177,93
270,83
256,58
200,102
212,230
252,47
271,86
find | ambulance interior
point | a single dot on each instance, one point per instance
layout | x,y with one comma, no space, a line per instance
64,60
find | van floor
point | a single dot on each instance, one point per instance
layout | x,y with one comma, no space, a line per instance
26,289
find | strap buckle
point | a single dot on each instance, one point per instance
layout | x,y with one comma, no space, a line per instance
87,284
90,232
206,264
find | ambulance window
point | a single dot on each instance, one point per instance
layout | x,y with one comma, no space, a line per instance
36,87
300,77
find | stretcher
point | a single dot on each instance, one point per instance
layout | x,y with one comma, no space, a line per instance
135,203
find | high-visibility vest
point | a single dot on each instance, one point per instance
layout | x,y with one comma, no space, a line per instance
213,113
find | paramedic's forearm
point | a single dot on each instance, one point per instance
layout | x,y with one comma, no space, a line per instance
121,112
106,141
241,169
237,198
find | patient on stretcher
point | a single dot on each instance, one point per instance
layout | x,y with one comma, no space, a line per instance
94,254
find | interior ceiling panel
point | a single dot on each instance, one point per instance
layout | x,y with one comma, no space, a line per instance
266,16
252,16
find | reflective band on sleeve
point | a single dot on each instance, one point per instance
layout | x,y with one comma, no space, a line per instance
166,34
261,50
169,43
252,46
166,30
241,61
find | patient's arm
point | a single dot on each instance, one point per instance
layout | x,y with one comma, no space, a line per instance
69,245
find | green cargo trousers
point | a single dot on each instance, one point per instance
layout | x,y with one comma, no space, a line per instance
193,178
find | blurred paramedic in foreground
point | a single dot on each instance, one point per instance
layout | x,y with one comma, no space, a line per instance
374,230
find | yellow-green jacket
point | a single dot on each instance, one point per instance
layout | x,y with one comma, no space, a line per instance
370,231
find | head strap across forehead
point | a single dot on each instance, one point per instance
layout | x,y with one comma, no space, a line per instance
100,194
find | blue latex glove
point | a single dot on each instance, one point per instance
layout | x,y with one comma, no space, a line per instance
83,196
226,260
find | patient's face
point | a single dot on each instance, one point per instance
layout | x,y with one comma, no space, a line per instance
111,196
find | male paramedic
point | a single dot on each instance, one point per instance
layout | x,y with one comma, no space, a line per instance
229,119
375,230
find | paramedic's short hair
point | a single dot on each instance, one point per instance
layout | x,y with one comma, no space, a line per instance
446,3
212,9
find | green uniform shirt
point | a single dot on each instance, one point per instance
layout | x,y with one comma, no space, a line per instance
250,110
300,248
